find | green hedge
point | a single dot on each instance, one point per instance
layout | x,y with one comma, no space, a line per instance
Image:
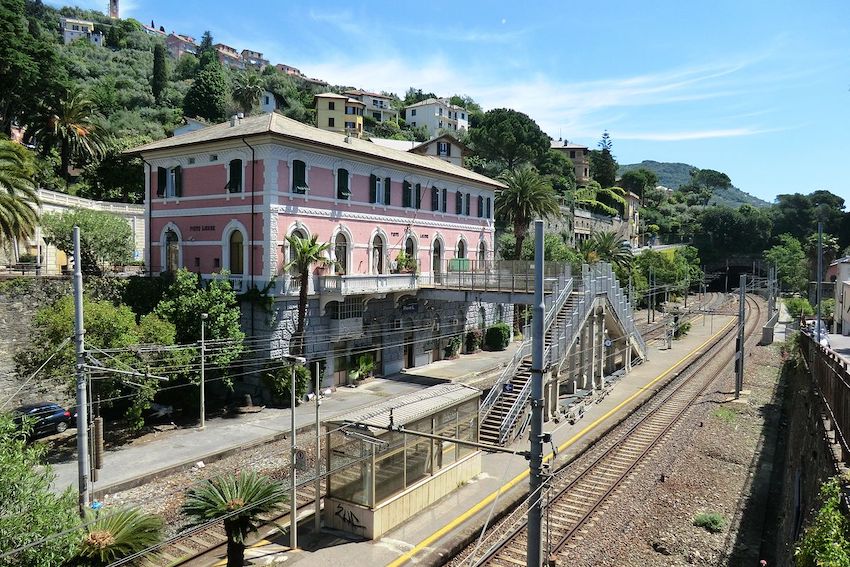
497,337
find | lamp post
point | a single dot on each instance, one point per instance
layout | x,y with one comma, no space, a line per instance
204,317
293,506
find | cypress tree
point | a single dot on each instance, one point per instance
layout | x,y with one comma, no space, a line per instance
160,75
209,94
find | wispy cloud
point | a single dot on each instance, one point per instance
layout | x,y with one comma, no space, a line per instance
690,135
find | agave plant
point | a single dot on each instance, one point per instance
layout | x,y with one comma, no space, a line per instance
237,499
114,534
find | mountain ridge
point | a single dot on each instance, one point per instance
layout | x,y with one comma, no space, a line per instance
675,174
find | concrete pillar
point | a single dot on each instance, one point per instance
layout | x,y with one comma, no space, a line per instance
583,346
591,349
628,355
571,371
327,379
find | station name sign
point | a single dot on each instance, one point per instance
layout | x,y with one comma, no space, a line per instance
202,228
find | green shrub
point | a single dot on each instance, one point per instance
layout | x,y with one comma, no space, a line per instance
453,346
825,541
278,379
473,340
363,367
498,336
711,521
682,329
725,415
797,306
27,258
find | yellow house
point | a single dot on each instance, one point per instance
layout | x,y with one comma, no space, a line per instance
340,114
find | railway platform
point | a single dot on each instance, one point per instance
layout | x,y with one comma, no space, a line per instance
437,531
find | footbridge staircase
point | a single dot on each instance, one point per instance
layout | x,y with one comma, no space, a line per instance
578,314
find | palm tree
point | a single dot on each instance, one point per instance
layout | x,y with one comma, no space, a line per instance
239,500
527,197
114,534
18,196
71,123
607,247
304,253
247,90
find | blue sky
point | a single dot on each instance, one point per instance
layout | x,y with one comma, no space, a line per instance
757,89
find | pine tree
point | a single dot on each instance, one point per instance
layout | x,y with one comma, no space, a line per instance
206,52
160,75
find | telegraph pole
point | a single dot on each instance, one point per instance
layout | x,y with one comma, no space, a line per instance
318,505
535,465
649,296
82,401
739,356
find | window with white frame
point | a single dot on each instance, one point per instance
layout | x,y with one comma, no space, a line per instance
299,177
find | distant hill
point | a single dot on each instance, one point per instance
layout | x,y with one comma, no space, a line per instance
674,175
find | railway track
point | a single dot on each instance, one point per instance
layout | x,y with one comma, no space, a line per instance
574,495
658,330
210,542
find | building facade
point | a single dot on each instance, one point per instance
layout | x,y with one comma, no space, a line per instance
339,113
444,147
437,114
228,196
229,56
73,29
254,59
289,70
579,155
377,105
51,260
178,45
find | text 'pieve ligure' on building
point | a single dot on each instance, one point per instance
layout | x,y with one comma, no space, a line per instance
402,229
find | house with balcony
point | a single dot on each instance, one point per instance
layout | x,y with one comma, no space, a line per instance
179,45
401,228
339,113
73,29
437,114
377,105
254,59
228,56
579,155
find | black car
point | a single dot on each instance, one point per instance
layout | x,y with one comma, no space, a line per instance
46,418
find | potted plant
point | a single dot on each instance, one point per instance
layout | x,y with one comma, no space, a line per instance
405,264
453,347
364,367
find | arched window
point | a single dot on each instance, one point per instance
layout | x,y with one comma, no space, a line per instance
237,254
172,251
293,271
409,246
341,253
461,249
378,255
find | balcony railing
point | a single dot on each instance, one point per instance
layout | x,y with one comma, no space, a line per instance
486,275
355,284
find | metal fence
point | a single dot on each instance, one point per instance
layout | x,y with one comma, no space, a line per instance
831,375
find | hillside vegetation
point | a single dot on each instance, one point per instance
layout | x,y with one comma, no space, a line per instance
673,175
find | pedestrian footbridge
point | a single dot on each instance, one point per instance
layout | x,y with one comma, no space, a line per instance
590,333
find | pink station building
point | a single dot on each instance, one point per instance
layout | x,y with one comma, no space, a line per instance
224,198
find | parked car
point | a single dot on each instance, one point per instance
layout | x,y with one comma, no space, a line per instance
47,418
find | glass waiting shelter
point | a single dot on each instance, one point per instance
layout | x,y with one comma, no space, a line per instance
379,478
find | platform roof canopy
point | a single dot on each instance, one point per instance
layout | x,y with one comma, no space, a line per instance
375,465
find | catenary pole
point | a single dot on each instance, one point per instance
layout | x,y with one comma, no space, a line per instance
535,465
204,317
318,505
818,323
293,505
82,397
739,368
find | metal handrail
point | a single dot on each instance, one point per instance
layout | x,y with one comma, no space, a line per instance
513,415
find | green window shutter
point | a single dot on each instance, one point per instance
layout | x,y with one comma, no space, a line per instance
487,212
161,181
388,183
448,149
435,199
299,177
342,191
467,205
459,203
373,189
234,184
405,194
178,181
445,198
418,195
480,206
